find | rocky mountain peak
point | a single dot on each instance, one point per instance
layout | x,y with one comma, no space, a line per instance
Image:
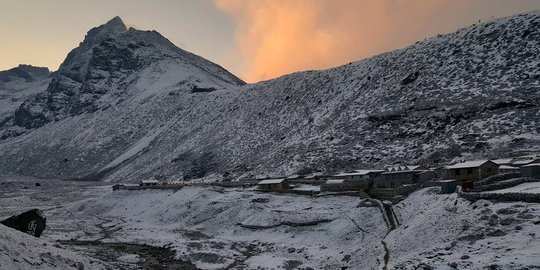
112,58
112,27
116,23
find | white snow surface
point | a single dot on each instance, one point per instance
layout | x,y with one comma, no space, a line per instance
438,230
136,148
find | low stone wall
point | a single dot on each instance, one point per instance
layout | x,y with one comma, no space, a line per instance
307,182
160,187
497,178
504,184
347,186
344,193
236,184
434,183
392,192
501,197
292,191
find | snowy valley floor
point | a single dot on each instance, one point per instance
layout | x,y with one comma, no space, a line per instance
211,228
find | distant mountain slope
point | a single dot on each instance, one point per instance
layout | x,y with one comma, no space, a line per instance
17,85
128,105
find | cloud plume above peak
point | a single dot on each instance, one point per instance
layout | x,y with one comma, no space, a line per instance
276,37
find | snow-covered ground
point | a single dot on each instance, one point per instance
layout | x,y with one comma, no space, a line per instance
447,232
217,228
21,251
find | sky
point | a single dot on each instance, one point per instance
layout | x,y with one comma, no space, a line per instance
254,39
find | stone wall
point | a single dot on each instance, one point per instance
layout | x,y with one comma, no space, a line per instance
503,184
392,192
502,197
345,186
497,178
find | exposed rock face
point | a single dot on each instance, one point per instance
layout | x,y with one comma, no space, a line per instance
17,85
129,105
102,63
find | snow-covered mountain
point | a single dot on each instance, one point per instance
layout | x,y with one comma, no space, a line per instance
128,105
17,85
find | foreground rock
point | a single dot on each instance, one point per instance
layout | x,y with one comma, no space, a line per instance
31,222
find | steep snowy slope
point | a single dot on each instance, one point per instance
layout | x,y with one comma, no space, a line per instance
128,105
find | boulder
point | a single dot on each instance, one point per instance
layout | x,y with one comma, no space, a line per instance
31,222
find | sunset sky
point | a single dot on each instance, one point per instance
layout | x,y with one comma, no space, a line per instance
254,39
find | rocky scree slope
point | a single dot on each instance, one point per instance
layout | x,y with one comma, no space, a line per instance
129,105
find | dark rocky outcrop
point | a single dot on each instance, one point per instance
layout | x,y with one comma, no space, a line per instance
411,78
31,222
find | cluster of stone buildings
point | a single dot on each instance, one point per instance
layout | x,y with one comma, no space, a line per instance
399,180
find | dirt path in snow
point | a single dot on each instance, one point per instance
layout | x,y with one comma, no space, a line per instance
392,222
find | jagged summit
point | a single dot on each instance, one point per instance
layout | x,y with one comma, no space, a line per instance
113,59
112,27
116,23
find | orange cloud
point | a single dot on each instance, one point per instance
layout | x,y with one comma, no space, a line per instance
275,37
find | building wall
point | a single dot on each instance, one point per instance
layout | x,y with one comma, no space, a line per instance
394,180
473,174
448,187
387,193
426,176
509,170
361,181
278,186
346,186
530,171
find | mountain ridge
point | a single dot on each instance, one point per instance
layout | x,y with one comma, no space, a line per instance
472,93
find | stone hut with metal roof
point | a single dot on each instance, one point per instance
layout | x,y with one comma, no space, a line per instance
273,184
471,171
398,176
